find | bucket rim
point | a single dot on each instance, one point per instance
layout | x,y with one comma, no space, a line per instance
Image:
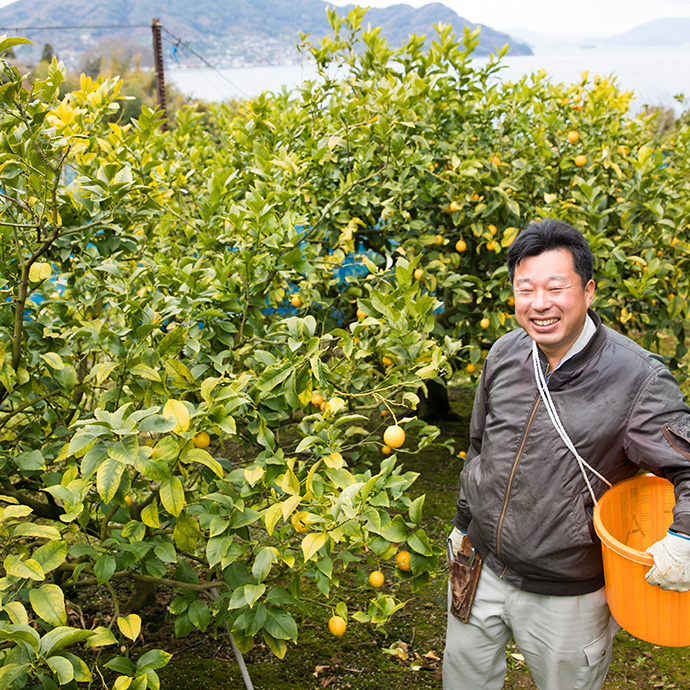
606,537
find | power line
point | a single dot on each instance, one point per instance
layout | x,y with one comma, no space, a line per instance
67,28
185,46
179,43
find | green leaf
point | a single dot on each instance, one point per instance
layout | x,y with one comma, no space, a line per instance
278,647
104,567
177,410
312,543
419,542
54,360
39,271
48,603
199,614
262,563
50,555
130,626
204,458
395,530
171,493
415,509
153,659
280,624
120,664
13,41
186,532
145,372
11,672
59,638
28,569
17,613
30,461
246,596
102,637
217,548
81,670
124,449
166,552
14,511
86,436
271,516
149,515
29,529
272,378
122,683
108,478
23,632
62,667
66,378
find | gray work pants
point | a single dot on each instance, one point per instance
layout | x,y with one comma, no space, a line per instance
566,640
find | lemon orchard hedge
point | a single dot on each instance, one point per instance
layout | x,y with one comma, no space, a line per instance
131,324
220,276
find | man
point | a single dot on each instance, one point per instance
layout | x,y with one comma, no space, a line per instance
565,406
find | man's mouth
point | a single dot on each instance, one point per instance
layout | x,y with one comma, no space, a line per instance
544,322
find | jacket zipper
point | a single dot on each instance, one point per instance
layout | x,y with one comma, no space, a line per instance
513,471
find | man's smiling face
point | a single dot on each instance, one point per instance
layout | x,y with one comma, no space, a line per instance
550,302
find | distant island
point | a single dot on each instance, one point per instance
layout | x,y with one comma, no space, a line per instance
230,33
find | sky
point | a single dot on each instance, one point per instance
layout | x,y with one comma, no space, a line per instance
592,18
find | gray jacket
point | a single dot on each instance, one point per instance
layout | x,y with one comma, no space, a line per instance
523,500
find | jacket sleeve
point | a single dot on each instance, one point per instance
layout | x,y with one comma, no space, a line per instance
657,437
463,516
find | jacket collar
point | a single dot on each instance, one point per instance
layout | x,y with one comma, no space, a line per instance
586,353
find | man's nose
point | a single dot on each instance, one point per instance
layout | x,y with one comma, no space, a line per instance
541,300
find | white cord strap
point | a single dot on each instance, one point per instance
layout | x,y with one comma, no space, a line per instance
555,419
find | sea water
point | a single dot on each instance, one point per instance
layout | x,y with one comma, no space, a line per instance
656,74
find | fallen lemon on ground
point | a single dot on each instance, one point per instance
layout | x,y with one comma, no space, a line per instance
337,626
394,436
402,560
201,440
376,578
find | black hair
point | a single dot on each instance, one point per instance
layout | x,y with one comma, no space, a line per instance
546,235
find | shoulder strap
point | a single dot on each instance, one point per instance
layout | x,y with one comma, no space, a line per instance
556,421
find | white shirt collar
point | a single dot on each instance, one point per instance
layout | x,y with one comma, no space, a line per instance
585,336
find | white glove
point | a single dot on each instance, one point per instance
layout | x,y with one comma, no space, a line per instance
671,569
454,541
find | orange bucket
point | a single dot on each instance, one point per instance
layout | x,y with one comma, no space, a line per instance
630,517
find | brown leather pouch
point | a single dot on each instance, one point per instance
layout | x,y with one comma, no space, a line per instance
464,577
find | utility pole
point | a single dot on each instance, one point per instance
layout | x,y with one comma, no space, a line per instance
160,75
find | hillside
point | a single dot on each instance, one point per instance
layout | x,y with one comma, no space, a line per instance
660,32
224,32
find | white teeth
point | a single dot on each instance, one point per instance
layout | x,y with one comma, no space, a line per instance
544,322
